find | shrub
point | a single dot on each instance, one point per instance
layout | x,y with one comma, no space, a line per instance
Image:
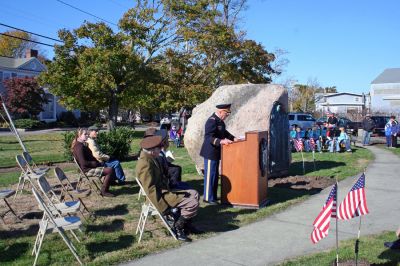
27,123
116,143
68,137
68,118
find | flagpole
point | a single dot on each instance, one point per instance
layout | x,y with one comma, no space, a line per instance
357,241
302,157
337,233
313,156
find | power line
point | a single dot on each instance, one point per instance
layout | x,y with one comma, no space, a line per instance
31,32
87,13
26,40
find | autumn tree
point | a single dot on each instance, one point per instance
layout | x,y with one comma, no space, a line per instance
24,96
16,47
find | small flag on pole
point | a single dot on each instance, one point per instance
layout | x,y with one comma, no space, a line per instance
355,202
323,220
298,144
312,144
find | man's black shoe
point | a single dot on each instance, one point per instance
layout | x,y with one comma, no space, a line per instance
211,202
393,245
180,235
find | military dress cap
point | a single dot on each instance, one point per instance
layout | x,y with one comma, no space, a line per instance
93,128
151,142
224,106
150,132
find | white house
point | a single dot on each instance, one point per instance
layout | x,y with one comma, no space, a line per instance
342,102
30,67
385,91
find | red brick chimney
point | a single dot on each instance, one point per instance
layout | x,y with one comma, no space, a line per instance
31,53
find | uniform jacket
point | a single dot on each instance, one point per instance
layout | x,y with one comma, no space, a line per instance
84,157
215,131
156,187
101,157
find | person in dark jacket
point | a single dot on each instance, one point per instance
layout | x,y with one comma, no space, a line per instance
215,135
89,165
368,125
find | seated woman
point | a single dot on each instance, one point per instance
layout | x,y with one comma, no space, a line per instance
298,141
343,139
312,140
89,165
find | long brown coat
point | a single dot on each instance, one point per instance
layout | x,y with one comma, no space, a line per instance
149,173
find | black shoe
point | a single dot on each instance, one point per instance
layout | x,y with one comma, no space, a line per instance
181,236
393,245
211,202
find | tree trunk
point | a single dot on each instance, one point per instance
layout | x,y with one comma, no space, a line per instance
112,111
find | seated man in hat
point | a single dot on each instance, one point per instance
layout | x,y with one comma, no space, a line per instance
215,135
158,191
104,158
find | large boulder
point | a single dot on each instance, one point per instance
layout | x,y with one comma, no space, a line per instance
251,109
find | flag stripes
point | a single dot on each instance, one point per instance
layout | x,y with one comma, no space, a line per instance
355,202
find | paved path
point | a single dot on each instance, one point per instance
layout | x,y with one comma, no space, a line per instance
287,234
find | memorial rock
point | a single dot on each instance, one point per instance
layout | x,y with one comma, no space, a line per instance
254,107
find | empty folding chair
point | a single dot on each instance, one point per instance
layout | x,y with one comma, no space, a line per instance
148,208
4,194
67,189
84,177
33,166
27,174
55,205
51,224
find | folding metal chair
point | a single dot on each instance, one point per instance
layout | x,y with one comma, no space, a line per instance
50,224
4,194
27,174
84,177
148,208
33,166
67,187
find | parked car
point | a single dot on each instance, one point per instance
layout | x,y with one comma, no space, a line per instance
350,126
302,120
380,122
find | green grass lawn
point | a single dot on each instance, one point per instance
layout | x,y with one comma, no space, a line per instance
111,238
371,248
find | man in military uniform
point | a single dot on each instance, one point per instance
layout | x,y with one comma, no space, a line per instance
215,135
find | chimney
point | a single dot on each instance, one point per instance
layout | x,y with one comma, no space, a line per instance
31,53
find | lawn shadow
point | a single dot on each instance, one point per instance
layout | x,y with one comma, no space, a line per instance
281,193
392,255
120,209
96,248
130,188
115,225
13,252
296,168
29,231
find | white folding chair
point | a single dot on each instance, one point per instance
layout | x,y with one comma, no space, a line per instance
27,174
67,187
148,208
50,224
84,177
33,166
4,194
57,207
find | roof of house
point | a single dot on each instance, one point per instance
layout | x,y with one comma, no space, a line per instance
389,75
10,62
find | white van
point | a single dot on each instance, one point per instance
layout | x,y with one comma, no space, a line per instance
302,120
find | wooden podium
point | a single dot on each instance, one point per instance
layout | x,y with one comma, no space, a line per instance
244,171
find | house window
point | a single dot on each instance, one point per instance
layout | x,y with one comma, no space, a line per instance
357,99
13,75
1,76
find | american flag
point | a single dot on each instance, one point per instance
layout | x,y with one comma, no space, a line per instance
355,202
312,144
323,220
298,144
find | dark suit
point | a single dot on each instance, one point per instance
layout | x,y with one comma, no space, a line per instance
215,131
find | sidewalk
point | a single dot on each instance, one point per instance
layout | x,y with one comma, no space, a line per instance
287,234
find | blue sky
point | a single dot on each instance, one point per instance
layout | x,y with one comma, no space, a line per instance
338,43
